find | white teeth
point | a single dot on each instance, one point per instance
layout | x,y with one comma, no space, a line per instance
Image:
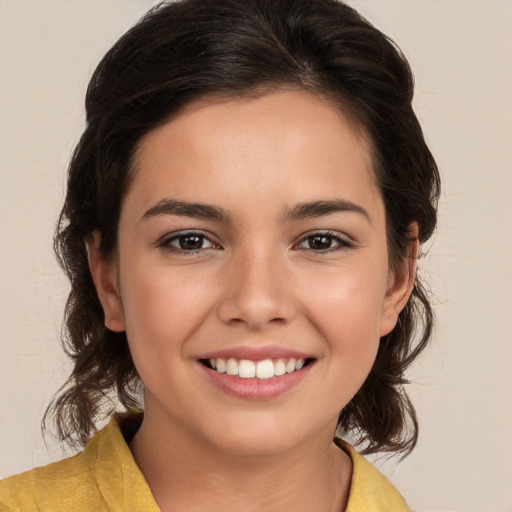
231,367
220,364
246,369
290,366
265,369
279,367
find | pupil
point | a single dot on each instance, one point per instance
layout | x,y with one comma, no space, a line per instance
191,242
320,242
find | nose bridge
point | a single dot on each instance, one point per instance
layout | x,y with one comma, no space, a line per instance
255,291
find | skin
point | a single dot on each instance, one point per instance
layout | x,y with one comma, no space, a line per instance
258,280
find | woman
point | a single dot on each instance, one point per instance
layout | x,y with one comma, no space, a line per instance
241,229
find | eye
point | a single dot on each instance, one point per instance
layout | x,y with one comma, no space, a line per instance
324,241
187,241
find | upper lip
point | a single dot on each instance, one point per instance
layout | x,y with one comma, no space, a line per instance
256,353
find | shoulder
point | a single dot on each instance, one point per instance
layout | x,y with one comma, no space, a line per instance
370,490
43,487
103,477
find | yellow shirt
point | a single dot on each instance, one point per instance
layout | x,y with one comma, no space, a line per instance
105,478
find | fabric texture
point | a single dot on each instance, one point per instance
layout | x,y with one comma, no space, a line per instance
105,478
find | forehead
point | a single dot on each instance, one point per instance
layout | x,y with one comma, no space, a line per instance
294,142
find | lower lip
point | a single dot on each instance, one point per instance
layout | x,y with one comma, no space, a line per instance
256,389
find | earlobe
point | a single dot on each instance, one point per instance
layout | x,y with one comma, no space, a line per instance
104,275
401,284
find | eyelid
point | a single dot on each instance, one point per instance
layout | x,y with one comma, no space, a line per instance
344,242
164,242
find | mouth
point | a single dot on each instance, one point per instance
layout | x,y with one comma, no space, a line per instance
262,370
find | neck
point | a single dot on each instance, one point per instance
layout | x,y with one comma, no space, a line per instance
186,474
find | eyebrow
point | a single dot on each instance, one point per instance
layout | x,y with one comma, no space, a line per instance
323,207
187,209
210,212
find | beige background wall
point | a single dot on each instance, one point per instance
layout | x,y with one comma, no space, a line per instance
461,52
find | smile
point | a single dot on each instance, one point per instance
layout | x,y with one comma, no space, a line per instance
248,369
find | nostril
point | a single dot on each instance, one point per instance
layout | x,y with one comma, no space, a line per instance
256,304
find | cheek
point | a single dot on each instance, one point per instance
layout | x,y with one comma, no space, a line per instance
162,308
343,308
347,302
346,309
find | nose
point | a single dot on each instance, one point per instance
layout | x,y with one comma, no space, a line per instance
257,291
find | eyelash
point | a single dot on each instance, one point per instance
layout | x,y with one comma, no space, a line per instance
165,243
343,243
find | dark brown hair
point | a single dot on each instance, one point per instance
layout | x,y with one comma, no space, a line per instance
191,49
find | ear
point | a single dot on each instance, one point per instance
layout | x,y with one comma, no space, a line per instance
105,276
400,284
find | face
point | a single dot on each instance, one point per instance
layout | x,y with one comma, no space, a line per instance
252,273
